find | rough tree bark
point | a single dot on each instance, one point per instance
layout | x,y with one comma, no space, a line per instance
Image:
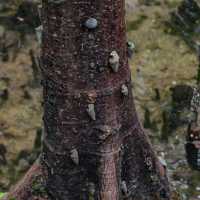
94,146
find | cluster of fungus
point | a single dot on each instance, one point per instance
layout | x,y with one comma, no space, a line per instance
114,63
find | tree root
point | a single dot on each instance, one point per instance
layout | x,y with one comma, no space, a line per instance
31,187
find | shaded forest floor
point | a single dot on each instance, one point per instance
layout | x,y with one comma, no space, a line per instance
162,61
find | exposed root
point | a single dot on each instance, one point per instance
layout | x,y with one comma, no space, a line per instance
31,187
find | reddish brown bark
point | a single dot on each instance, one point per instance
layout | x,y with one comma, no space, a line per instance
115,159
24,189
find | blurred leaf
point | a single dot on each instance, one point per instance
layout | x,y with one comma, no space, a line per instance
2,194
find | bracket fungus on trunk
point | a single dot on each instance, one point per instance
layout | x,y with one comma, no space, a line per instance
114,61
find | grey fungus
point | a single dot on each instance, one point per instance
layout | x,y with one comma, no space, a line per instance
38,31
114,61
131,45
39,8
130,48
124,188
162,161
124,90
92,65
74,156
91,23
91,111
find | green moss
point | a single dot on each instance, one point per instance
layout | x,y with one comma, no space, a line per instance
38,187
91,197
2,194
12,198
134,25
172,4
150,2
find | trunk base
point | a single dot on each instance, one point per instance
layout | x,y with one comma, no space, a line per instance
31,187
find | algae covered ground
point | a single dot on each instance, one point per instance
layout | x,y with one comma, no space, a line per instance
162,60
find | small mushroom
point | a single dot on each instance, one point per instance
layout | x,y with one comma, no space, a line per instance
162,161
154,178
114,61
38,31
74,156
124,188
124,90
105,130
131,48
92,65
91,23
91,111
40,11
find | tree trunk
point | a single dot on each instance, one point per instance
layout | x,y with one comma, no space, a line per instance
94,147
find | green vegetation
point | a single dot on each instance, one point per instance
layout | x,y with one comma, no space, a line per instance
2,194
38,187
